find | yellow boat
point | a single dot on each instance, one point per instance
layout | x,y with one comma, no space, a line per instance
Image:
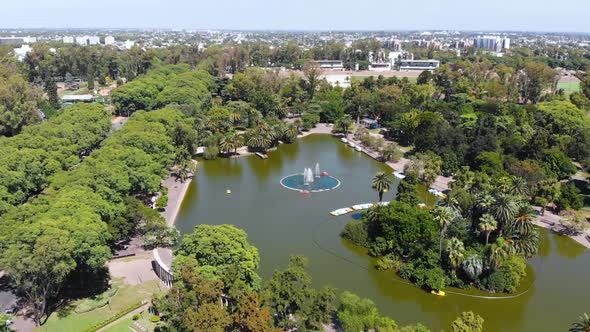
438,292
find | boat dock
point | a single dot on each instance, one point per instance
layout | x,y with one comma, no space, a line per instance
262,155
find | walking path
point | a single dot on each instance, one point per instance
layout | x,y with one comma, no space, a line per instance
176,192
552,222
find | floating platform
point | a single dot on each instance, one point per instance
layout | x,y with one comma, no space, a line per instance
399,175
262,155
362,206
357,207
342,211
436,193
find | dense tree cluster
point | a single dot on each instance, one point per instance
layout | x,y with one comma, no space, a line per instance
29,159
166,85
480,234
56,237
19,102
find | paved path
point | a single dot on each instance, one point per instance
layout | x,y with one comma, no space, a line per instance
176,192
552,222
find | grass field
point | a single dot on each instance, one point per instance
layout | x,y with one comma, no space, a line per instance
67,320
569,87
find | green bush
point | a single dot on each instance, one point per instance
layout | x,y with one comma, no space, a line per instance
135,317
155,319
494,282
310,120
388,263
356,232
211,153
162,202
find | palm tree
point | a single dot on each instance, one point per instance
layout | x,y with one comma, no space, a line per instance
496,253
581,325
519,186
455,250
504,210
483,203
227,143
235,118
344,124
238,142
443,216
487,224
523,222
524,243
381,182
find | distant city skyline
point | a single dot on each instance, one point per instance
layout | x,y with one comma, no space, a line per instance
465,15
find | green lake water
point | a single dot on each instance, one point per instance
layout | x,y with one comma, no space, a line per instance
282,222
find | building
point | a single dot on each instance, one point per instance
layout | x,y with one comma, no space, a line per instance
330,64
12,40
93,40
495,43
379,66
77,98
82,40
22,51
419,64
129,44
109,40
67,39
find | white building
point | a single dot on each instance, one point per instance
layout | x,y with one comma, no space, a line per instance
495,43
82,40
22,51
68,39
330,64
30,40
430,64
93,40
109,40
129,44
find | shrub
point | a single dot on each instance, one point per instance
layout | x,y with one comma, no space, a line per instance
310,120
388,263
162,201
135,317
155,318
356,232
211,153
494,282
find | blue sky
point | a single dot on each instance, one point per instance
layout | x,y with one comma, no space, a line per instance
530,15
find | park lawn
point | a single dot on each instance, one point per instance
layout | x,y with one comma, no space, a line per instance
68,320
569,87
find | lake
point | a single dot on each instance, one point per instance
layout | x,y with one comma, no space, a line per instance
281,222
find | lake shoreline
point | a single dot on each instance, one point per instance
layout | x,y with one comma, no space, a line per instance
177,190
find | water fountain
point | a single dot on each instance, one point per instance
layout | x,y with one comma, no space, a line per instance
311,180
307,176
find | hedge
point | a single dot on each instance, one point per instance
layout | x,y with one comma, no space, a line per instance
106,322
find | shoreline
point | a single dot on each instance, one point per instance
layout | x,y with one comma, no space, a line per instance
176,192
